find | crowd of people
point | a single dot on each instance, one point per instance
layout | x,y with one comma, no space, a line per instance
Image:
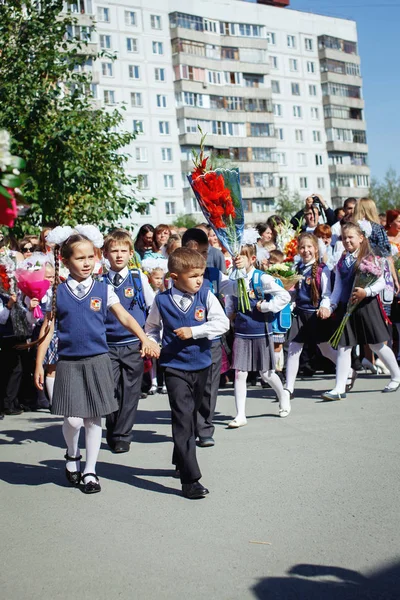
124,318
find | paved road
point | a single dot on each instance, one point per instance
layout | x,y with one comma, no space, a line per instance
304,507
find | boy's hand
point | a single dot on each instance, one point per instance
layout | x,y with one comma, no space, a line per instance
258,305
239,262
34,302
38,378
358,295
184,333
323,313
150,348
12,301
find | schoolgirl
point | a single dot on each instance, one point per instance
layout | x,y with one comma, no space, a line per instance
366,324
84,386
312,305
253,348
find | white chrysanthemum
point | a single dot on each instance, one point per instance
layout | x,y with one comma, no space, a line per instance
35,262
59,234
250,236
366,227
92,233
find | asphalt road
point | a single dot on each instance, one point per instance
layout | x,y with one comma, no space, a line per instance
300,508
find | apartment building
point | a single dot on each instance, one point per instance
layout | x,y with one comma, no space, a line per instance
278,92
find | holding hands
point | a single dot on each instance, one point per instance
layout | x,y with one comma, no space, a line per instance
150,349
323,313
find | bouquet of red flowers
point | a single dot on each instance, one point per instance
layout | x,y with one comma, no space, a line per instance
8,287
33,284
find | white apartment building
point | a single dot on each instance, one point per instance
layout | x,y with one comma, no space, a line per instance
279,93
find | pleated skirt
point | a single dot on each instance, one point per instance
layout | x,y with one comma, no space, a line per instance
366,325
307,328
254,354
84,387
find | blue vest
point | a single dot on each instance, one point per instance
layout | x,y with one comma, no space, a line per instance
81,325
185,355
6,330
346,274
303,296
252,323
130,294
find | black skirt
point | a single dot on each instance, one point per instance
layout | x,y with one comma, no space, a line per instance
307,328
366,325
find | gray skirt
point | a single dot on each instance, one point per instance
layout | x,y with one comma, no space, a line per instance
84,387
253,354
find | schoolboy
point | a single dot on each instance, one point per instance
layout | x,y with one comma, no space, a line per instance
136,296
191,317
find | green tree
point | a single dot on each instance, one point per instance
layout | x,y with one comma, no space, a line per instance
185,221
386,193
288,203
72,147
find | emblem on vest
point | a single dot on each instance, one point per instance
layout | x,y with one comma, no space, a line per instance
199,313
95,304
308,280
129,292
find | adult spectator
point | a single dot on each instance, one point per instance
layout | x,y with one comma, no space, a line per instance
393,227
339,213
267,237
348,208
366,210
326,214
215,257
160,239
382,219
310,219
144,241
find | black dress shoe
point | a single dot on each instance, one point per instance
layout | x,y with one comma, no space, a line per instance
13,411
91,487
206,442
120,447
74,477
194,490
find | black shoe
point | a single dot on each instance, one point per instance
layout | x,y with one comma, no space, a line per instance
13,411
120,447
74,477
91,487
194,490
143,395
308,371
177,473
206,442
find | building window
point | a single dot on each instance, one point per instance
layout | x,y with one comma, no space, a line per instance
170,208
310,66
312,90
136,99
301,159
141,154
280,133
293,64
283,182
260,129
320,183
130,18
109,97
138,126
168,181
159,74
314,112
155,22
308,43
161,101
143,182
318,160
134,72
107,69
275,87
263,205
250,30
295,89
103,14
299,135
163,127
271,38
291,41
166,154
303,183
316,136
273,62
131,44
158,48
277,110
297,112
281,158
105,42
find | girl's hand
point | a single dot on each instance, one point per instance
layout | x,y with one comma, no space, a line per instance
323,313
358,295
258,305
239,262
34,302
38,378
12,301
184,333
150,348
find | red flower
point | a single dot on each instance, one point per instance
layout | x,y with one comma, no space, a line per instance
4,280
8,214
214,197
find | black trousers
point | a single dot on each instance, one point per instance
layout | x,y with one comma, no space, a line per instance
185,394
127,365
11,372
205,414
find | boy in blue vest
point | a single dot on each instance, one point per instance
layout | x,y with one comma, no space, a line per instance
136,296
190,316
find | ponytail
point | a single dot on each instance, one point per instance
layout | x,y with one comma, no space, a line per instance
315,295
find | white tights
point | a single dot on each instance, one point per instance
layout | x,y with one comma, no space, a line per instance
292,365
93,434
269,377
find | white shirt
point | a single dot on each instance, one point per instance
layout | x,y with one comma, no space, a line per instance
372,290
112,297
217,322
148,293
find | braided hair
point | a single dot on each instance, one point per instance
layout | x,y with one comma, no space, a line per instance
315,293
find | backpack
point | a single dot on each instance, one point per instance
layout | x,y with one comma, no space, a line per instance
278,322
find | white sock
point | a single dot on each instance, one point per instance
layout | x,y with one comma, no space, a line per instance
388,358
292,365
279,360
343,366
328,352
93,435
50,387
71,428
274,381
240,394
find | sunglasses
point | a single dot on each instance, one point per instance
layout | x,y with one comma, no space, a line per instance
28,249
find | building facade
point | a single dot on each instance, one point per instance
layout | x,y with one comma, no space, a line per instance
278,92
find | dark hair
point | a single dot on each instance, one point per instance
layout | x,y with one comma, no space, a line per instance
262,228
42,239
315,295
28,240
139,245
185,259
349,201
194,235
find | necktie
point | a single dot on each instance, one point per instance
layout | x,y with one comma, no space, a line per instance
80,290
117,279
185,302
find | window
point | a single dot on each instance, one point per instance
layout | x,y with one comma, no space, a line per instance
277,110
299,135
103,14
320,183
158,48
250,30
308,43
295,89
281,158
297,112
274,62
168,181
159,74
141,154
263,205
109,97
161,101
316,136
155,21
136,99
163,127
275,87
143,182
314,112
312,90
301,159
280,133
271,38
131,44
340,89
138,126
303,183
293,64
134,72
291,41
318,160
260,154
130,18
105,42
170,208
107,69
166,154
211,26
283,182
310,66
260,130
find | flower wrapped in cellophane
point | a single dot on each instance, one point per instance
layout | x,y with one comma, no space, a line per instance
286,273
8,287
219,196
30,276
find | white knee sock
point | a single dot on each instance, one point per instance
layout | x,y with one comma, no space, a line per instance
50,387
292,365
328,352
343,366
274,381
93,434
279,360
71,429
240,394
388,358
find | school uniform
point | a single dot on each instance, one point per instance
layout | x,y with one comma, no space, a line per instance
84,385
135,295
186,363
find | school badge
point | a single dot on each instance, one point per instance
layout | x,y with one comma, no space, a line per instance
308,280
129,292
95,304
199,313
